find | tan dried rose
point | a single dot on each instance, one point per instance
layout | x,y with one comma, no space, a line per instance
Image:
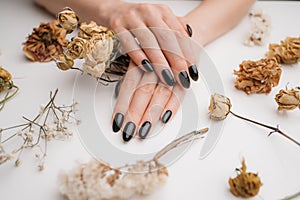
45,42
287,52
64,62
288,99
5,77
78,48
89,30
68,19
102,48
246,184
258,76
219,107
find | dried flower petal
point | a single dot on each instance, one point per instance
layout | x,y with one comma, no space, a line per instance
260,28
219,107
95,180
45,42
67,19
288,99
245,184
87,31
287,52
258,76
78,48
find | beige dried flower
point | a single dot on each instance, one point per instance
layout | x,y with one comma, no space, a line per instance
87,31
258,76
95,180
64,62
219,107
245,184
78,48
5,78
45,43
68,19
287,52
288,99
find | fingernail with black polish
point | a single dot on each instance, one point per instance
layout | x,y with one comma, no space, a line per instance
118,121
147,65
117,88
167,75
189,29
144,130
128,131
165,118
184,79
193,71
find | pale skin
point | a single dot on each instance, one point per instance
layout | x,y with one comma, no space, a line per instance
163,64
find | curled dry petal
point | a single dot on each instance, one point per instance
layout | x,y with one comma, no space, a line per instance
67,19
45,42
288,99
219,107
287,52
245,184
78,48
258,76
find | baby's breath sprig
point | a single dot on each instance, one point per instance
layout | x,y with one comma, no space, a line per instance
51,123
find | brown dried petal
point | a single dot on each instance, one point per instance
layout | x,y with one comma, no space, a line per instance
45,42
78,48
258,76
219,107
68,19
246,184
288,99
287,52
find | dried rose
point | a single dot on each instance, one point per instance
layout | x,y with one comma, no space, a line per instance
45,42
5,77
246,184
67,19
288,99
89,30
288,51
78,48
219,107
63,62
102,48
258,76
93,68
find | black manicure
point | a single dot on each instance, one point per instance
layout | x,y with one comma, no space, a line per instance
128,131
165,118
147,65
193,71
168,77
184,79
144,130
189,29
118,121
117,88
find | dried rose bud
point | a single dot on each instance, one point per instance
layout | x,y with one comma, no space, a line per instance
288,99
288,51
78,48
68,19
63,62
219,107
258,76
5,77
246,184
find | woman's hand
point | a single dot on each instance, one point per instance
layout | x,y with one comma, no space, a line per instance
142,101
156,40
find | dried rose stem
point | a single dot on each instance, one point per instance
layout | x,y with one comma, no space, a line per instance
292,196
275,129
178,141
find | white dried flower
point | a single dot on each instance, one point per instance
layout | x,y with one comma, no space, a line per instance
219,107
260,28
95,180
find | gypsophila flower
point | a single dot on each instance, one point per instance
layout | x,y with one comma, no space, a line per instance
52,122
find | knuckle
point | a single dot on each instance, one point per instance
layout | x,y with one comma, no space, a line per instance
146,89
115,22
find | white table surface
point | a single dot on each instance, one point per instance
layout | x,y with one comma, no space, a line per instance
275,159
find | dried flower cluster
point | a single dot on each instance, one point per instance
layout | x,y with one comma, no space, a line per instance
96,45
45,42
258,76
288,99
50,124
7,86
220,107
287,52
260,28
96,180
245,184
